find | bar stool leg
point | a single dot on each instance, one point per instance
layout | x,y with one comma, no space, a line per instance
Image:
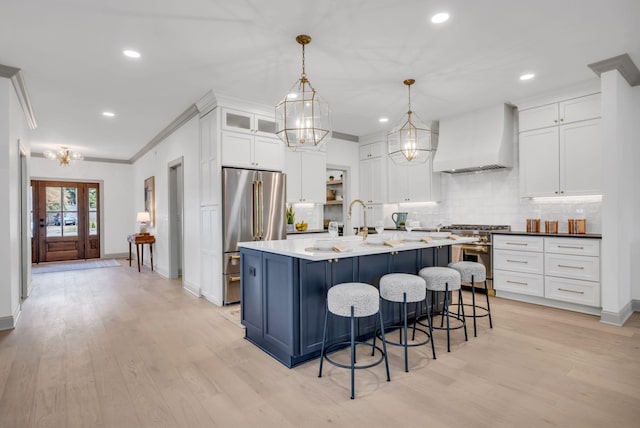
384,346
406,347
324,337
433,346
488,306
464,318
353,353
473,298
446,307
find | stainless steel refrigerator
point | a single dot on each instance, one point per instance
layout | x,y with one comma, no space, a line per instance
253,210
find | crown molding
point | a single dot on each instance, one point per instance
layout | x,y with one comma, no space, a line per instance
187,115
88,159
19,84
623,63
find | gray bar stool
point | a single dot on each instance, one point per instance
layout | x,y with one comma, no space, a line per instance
405,288
472,273
446,280
353,300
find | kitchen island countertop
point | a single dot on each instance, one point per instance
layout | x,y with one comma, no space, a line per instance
350,246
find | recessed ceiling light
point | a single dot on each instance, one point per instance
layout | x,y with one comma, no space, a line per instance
439,18
383,120
131,53
527,76
108,113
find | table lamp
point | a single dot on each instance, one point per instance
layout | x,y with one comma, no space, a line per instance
143,218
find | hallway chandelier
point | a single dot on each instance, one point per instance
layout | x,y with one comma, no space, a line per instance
409,142
303,119
63,155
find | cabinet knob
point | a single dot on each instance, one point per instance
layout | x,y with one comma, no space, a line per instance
562,191
555,121
556,192
330,260
562,120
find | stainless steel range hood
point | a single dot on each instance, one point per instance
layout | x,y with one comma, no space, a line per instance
478,141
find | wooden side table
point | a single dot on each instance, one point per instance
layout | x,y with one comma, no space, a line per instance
140,240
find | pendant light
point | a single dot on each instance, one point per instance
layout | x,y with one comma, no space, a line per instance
303,119
409,142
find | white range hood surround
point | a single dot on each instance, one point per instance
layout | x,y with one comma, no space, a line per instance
477,141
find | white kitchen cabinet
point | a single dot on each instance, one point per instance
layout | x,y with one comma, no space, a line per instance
548,269
250,151
373,183
564,112
518,264
249,123
561,161
414,183
374,150
305,177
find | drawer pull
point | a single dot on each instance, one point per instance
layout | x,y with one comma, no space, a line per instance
571,267
517,261
517,243
571,247
517,282
571,291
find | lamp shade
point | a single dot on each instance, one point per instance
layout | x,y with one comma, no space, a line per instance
143,217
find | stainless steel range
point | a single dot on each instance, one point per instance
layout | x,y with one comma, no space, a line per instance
479,252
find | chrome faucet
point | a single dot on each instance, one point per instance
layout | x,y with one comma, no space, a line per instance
438,227
365,230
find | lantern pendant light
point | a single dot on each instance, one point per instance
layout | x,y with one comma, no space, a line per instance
303,119
410,141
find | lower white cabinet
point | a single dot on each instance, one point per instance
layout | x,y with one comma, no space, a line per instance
554,268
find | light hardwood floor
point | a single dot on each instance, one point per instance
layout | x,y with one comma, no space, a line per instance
114,348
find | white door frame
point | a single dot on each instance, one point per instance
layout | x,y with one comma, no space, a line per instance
176,219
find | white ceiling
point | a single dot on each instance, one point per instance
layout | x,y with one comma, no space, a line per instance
362,50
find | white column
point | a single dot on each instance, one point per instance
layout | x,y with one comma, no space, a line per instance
620,192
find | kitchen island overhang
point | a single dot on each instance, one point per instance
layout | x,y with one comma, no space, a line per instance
284,287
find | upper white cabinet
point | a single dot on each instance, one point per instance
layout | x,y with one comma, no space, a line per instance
564,112
373,173
305,176
248,141
241,121
561,161
560,149
415,183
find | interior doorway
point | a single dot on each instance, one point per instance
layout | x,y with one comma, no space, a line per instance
66,219
176,201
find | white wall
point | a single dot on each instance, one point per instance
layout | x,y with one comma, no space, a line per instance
184,142
635,230
12,130
117,192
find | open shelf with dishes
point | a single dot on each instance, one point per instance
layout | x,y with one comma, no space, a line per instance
334,203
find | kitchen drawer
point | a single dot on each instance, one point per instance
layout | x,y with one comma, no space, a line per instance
572,290
523,283
575,267
518,242
518,261
575,246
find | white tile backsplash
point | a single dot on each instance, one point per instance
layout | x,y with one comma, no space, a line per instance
492,197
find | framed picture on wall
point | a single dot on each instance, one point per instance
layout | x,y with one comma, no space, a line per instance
149,199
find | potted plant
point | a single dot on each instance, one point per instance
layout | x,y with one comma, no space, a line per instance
331,177
290,219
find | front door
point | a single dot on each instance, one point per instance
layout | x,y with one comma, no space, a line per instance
66,215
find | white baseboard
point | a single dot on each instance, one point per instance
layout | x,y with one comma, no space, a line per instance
635,305
191,288
210,298
162,272
617,318
115,256
10,322
548,302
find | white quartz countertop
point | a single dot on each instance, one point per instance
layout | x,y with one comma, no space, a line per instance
350,246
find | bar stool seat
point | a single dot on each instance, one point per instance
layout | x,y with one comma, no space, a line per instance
405,288
445,280
472,273
353,300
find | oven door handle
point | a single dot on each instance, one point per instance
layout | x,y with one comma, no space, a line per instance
476,248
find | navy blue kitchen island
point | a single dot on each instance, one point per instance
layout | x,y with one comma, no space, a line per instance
284,286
